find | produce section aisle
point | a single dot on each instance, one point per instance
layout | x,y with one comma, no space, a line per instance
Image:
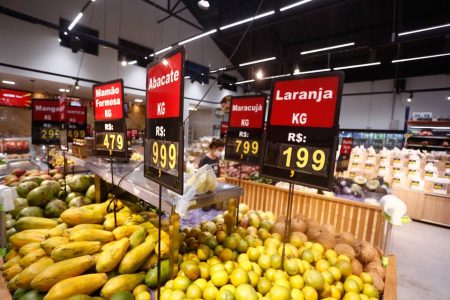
136,184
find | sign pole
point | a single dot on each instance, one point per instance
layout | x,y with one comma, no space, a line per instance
159,243
64,172
48,159
287,228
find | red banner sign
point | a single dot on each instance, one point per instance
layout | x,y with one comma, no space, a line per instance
247,112
224,128
346,146
15,98
309,102
108,101
76,114
163,88
48,110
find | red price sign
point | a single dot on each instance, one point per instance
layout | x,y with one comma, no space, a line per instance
164,81
15,98
76,114
308,102
346,146
108,101
247,112
223,129
47,110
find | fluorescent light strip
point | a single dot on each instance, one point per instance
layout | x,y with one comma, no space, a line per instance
294,5
313,71
133,62
245,81
163,50
248,20
420,57
8,82
424,29
75,21
357,66
197,37
257,61
327,48
276,76
218,70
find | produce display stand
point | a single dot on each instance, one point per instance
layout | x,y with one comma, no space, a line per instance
365,221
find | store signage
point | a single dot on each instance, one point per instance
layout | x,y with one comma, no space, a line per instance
164,142
245,132
76,122
110,126
344,155
302,130
223,130
47,117
15,98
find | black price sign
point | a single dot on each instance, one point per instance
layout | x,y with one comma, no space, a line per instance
164,143
110,127
246,128
302,130
47,116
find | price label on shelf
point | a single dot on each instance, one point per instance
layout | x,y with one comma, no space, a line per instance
47,117
301,138
110,127
246,128
223,130
164,143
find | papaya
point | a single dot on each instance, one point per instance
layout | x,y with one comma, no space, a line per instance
150,262
51,243
137,237
59,230
11,253
75,249
112,256
24,278
79,285
126,282
151,279
79,215
80,297
165,250
34,223
13,261
107,245
32,257
136,257
125,231
22,238
61,270
25,249
86,226
12,271
99,235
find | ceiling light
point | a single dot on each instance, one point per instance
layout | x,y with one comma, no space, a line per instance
165,62
62,90
448,98
67,90
259,74
411,95
75,21
203,4
145,57
218,70
8,82
420,57
277,76
197,37
77,87
124,62
59,40
297,71
187,77
65,32
133,62
357,66
248,20
92,0
313,71
162,50
257,61
424,29
294,5
138,100
245,81
327,48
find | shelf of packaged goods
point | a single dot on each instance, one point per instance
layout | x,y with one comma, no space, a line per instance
429,123
427,147
147,190
435,137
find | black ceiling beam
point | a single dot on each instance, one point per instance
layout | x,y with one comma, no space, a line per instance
27,18
172,14
168,17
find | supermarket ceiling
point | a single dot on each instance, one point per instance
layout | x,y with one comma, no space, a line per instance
313,24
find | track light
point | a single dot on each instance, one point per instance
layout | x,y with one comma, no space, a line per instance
218,70
419,58
259,74
294,5
257,61
75,21
448,98
411,95
77,87
203,4
296,71
133,62
245,81
165,62
327,48
313,71
423,29
357,66
248,20
277,76
124,62
197,37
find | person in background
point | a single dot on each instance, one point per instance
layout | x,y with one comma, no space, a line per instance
213,156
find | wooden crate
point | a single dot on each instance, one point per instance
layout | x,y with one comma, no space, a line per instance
363,220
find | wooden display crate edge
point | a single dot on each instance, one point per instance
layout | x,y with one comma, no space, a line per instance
390,282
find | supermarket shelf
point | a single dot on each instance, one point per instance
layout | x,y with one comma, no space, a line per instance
427,146
429,123
429,137
147,190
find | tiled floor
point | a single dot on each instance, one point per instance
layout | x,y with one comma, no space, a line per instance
423,261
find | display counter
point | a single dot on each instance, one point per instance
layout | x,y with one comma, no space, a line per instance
131,178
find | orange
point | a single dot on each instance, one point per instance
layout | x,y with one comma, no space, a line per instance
219,278
310,293
210,293
264,286
194,291
297,282
280,293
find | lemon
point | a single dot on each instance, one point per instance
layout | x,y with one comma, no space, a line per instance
181,283
314,279
239,276
219,278
210,293
322,265
194,291
351,296
351,285
280,293
297,282
310,293
264,286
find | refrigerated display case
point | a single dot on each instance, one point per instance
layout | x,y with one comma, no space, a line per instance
378,139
